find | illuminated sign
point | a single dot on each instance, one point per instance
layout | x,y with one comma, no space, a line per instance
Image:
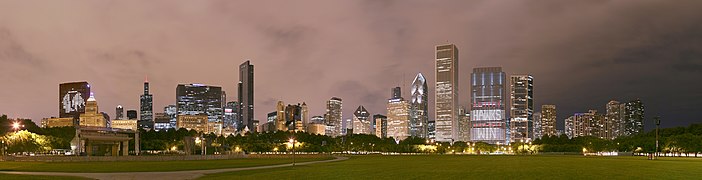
487,115
73,101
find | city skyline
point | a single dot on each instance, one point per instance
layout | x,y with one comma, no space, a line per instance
116,61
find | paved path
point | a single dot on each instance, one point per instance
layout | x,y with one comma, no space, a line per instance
172,175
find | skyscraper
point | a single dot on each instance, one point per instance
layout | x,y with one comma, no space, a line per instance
522,108
333,117
72,99
490,122
197,99
381,123
419,115
231,115
119,112
537,131
131,114
171,111
633,118
146,120
613,119
398,118
361,121
446,100
246,95
463,124
396,92
280,122
584,124
548,120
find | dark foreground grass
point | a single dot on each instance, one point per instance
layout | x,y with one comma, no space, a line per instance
483,167
23,177
146,166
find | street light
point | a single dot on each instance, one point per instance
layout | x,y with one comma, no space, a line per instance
292,141
16,125
658,123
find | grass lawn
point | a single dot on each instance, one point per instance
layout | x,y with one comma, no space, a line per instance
146,166
483,167
22,177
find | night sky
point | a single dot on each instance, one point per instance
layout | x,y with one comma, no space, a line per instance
581,53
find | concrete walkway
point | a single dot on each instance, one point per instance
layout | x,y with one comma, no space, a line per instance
171,175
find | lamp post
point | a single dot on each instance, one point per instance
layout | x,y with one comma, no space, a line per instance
292,141
658,123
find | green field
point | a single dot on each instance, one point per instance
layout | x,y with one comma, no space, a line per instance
483,167
147,166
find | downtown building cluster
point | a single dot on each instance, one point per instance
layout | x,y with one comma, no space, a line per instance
501,110
198,107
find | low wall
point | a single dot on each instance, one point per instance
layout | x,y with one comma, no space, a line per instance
120,158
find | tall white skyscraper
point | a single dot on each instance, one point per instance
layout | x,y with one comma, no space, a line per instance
419,116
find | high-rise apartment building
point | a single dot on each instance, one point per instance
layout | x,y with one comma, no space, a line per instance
489,100
522,108
633,118
548,120
584,124
446,101
419,113
614,119
537,131
246,95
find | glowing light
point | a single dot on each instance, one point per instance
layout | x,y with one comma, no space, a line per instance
174,148
16,125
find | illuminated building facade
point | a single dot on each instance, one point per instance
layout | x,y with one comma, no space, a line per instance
57,122
446,101
231,115
146,114
72,99
190,121
633,118
361,121
162,122
280,123
522,108
246,96
489,119
381,125
463,125
419,104
333,117
548,120
196,99
92,117
171,111
130,124
119,112
537,131
613,119
584,124
398,118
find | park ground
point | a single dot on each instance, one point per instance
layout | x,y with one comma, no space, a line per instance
483,167
404,167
